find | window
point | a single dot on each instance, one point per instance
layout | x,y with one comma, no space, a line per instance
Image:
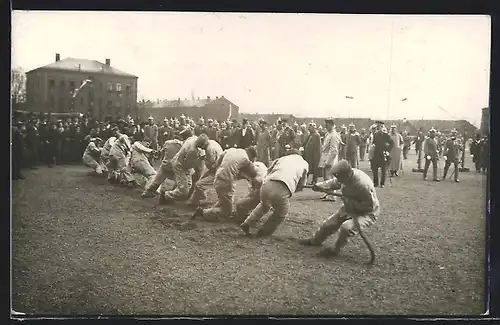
120,96
110,86
71,85
128,88
118,87
118,104
110,103
52,83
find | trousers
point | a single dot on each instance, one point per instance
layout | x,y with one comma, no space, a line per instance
434,167
201,186
158,182
97,166
223,208
183,183
246,205
375,164
342,222
118,168
276,195
352,158
447,165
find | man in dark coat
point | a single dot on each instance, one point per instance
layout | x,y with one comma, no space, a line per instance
475,151
419,140
451,154
246,136
287,137
312,152
383,145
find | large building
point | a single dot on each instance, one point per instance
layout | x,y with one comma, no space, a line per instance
218,108
111,92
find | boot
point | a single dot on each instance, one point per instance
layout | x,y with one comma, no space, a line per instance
434,174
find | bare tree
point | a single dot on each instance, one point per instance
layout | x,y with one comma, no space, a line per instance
18,86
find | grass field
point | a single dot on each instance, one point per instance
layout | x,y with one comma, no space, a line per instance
83,246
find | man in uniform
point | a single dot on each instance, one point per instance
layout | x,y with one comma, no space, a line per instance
211,130
246,137
382,146
183,164
230,164
342,144
286,175
329,153
151,133
359,201
475,152
165,133
418,147
406,144
200,128
363,142
352,144
287,137
264,143
224,136
211,154
451,155
431,155
312,152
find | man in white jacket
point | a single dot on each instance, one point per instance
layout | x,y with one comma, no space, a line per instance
105,151
210,156
329,153
92,156
285,176
119,158
139,161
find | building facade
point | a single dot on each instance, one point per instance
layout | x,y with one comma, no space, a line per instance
218,108
110,92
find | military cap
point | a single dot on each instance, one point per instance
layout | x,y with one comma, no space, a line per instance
341,167
379,123
393,126
210,120
303,125
182,116
295,124
432,130
351,124
454,130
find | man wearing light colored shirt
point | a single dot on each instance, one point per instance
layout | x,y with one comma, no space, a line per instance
119,155
230,165
246,205
210,156
285,175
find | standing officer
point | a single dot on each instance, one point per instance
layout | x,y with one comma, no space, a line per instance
363,137
383,144
151,133
352,142
451,154
418,147
431,155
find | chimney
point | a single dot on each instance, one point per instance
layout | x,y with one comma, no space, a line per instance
58,57
208,97
108,62
216,97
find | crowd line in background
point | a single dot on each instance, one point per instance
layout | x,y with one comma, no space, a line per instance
44,141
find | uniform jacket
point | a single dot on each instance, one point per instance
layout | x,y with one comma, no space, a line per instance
224,139
360,192
212,133
353,140
290,170
431,148
212,153
151,132
231,163
452,149
382,142
188,156
246,138
92,151
139,152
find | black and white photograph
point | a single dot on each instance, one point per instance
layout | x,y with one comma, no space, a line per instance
230,163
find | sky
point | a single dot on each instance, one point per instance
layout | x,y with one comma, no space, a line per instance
302,64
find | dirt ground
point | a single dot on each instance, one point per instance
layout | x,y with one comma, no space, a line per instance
83,246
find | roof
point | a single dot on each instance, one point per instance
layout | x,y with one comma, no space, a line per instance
84,65
185,103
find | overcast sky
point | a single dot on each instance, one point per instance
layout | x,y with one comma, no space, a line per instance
303,64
